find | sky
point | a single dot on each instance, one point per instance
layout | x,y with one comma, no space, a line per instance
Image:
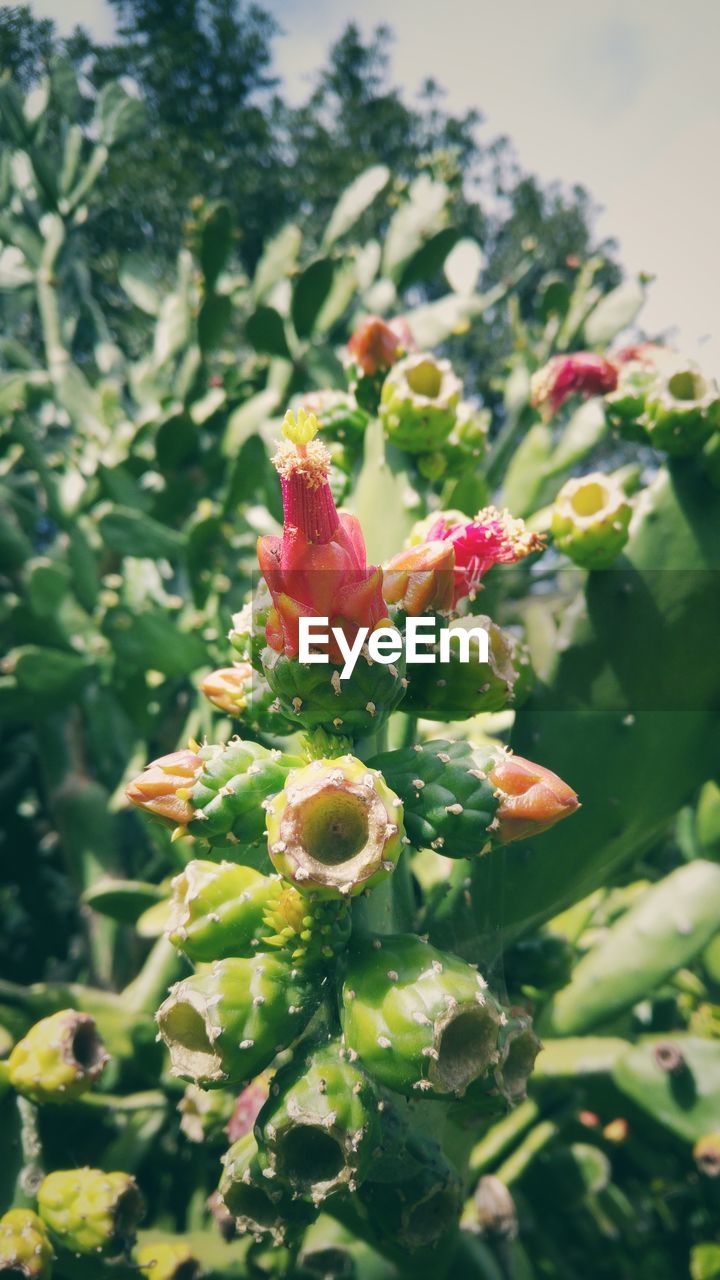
622,96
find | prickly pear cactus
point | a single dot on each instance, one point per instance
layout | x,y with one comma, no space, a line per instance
273,1003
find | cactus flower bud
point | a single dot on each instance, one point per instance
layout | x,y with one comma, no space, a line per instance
167,1260
419,1019
25,1251
492,537
88,1211
420,1210
376,345
226,1024
162,789
492,1211
258,1205
335,828
582,373
228,688
420,579
590,520
419,402
532,798
320,1126
318,567
60,1058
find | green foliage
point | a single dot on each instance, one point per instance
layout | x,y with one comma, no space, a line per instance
141,392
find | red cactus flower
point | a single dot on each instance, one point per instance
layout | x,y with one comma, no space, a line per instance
493,537
377,345
318,567
581,374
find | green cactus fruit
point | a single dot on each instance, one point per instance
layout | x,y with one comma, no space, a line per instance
590,520
625,406
336,828
463,686
60,1058
226,1024
167,1260
88,1211
320,1126
312,696
683,411
25,1251
228,793
259,1205
419,402
671,405
448,800
419,1020
218,909
419,1212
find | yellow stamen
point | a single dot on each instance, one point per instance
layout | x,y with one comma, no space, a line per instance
300,429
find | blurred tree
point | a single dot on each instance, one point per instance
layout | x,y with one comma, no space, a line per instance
219,126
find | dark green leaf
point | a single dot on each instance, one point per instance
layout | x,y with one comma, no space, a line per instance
265,331
311,289
131,533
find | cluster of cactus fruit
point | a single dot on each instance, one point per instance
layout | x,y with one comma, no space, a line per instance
294,952
342,1061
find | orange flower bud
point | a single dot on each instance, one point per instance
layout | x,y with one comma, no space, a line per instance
227,688
421,578
163,787
532,798
377,345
